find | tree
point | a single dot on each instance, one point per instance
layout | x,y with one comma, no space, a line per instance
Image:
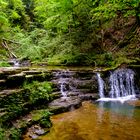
4,22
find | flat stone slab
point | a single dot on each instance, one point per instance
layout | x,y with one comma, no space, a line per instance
32,72
4,93
64,104
10,70
19,75
2,82
56,95
89,96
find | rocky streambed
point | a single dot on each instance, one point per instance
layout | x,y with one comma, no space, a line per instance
20,112
29,96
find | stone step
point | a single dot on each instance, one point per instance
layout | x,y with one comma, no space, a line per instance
15,80
10,70
37,77
8,92
64,104
32,72
2,83
89,96
55,95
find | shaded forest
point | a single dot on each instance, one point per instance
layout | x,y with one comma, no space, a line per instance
70,32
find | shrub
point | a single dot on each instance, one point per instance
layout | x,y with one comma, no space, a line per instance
4,64
38,91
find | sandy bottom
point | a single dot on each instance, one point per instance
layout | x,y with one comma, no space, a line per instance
94,123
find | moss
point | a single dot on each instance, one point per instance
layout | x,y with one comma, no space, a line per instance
2,134
38,91
4,64
15,134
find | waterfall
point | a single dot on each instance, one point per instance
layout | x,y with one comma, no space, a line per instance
121,83
101,85
64,82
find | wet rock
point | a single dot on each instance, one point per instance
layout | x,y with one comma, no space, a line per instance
15,80
39,131
16,76
2,74
19,62
35,131
32,72
55,95
138,96
4,93
2,84
64,104
33,136
10,70
71,93
89,96
84,75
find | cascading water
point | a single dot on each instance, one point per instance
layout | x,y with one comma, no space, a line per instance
101,85
121,85
63,81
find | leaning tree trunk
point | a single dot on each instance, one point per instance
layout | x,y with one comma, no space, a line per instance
5,46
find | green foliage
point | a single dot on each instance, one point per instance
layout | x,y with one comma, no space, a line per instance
4,23
15,134
4,64
105,59
66,32
38,91
2,134
45,121
14,108
110,9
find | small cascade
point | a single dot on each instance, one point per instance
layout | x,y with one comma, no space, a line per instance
121,84
64,82
101,85
63,88
15,62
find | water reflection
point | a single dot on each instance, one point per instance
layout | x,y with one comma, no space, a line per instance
117,107
103,121
100,112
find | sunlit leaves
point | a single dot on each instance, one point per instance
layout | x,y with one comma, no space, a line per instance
108,9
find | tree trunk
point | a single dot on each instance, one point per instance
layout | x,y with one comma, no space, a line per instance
11,54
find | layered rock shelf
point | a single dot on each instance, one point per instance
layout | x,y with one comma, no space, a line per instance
16,110
69,89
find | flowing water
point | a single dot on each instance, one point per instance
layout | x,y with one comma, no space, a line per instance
122,83
99,121
116,117
101,85
122,86
110,118
64,80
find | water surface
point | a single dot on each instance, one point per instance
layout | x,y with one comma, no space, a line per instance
100,121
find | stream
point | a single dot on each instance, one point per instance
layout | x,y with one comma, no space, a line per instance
97,122
115,115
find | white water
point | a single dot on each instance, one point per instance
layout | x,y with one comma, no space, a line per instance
63,83
100,85
63,89
121,84
15,62
120,99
